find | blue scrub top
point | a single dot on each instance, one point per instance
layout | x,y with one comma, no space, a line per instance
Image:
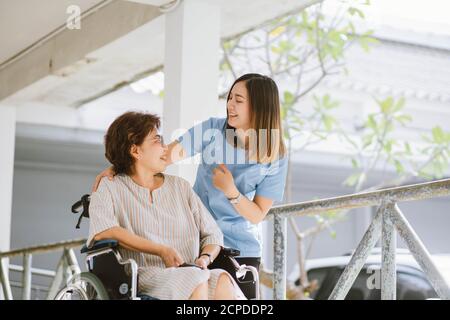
251,178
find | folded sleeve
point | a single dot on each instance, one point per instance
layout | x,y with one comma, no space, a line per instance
101,212
272,186
199,136
210,232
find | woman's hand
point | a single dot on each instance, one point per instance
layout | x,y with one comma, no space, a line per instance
202,262
170,257
223,180
105,173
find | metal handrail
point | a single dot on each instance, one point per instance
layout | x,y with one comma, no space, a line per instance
36,271
44,248
67,267
387,221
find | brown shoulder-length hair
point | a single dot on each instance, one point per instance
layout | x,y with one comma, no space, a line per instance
265,116
131,128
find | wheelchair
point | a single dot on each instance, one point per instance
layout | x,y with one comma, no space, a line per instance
110,277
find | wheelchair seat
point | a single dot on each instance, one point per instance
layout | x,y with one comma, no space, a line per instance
101,244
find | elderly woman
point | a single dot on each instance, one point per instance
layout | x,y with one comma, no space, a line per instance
157,219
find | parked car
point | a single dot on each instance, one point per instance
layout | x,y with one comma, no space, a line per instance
412,283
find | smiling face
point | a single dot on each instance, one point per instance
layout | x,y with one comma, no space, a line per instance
253,103
151,154
238,107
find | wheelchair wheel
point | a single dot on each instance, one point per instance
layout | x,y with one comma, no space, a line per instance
85,286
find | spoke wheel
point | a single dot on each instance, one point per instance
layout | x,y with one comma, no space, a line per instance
85,286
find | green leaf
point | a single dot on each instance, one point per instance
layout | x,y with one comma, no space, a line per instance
426,138
334,50
310,37
326,99
388,146
371,123
367,140
328,103
256,37
353,11
283,111
275,49
305,18
297,120
319,135
386,105
403,119
399,167
227,45
353,179
288,98
355,163
351,26
286,45
277,31
438,135
399,105
316,101
328,121
365,42
292,58
336,37
224,66
408,148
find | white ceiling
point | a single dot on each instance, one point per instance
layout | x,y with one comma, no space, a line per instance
23,22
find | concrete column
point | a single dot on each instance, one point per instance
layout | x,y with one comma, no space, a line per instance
191,71
7,140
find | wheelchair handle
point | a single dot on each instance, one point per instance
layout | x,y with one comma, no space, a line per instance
82,203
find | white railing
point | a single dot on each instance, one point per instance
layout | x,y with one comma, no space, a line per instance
66,268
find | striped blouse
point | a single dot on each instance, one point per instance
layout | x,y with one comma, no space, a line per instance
176,218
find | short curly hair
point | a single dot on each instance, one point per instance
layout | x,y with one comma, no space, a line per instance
129,129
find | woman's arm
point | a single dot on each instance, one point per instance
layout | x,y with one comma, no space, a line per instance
211,237
254,211
133,242
208,254
175,152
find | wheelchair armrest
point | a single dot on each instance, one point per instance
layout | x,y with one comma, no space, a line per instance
230,252
101,244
